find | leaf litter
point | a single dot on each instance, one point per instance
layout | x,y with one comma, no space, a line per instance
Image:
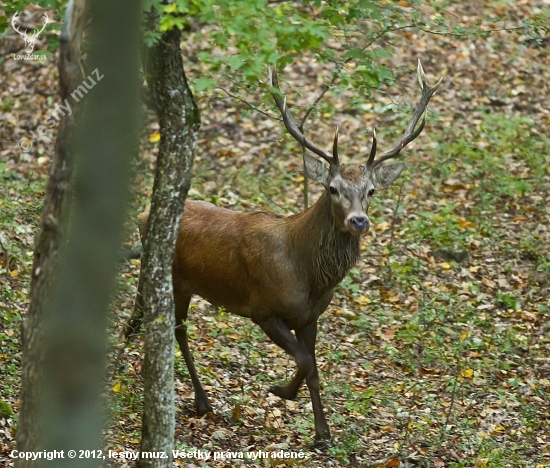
426,358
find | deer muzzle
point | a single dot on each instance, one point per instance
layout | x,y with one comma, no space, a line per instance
358,224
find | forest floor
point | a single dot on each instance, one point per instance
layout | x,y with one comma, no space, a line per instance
436,348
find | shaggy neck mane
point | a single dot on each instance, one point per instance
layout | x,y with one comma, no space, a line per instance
327,252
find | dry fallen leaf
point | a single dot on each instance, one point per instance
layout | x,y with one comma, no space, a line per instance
236,414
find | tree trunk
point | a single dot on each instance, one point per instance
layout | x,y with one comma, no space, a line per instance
73,279
179,123
49,236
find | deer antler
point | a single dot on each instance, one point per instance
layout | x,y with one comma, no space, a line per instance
44,24
410,132
14,19
291,126
36,32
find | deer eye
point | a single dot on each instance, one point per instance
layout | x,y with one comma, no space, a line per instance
333,190
371,192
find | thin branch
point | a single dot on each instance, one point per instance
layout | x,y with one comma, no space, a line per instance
301,127
273,202
392,227
476,31
252,106
451,406
314,104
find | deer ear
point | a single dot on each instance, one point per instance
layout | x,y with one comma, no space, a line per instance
315,169
386,175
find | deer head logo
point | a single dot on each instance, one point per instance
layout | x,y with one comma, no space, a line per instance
30,39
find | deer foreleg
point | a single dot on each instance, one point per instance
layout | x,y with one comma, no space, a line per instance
280,334
307,336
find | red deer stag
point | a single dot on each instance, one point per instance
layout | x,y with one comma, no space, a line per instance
281,271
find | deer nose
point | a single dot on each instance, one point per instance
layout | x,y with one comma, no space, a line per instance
359,223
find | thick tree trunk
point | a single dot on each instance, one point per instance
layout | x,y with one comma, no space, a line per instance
49,235
70,329
179,123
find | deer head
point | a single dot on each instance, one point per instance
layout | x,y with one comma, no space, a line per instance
30,40
351,188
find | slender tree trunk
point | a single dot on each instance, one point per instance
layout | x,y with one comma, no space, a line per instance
49,236
179,123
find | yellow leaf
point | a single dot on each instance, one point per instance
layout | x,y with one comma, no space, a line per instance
300,179
467,373
117,387
463,336
14,273
236,414
154,137
446,266
465,224
362,300
382,226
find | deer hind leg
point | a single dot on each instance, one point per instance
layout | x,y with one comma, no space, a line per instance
307,336
280,334
202,404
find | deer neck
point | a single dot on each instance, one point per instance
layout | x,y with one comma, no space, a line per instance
326,252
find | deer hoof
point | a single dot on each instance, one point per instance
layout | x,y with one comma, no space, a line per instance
282,391
322,439
203,407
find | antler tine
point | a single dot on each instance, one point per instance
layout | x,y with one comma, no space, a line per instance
372,149
45,20
411,132
291,126
335,147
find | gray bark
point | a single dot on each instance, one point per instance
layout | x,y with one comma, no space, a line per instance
179,123
49,236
